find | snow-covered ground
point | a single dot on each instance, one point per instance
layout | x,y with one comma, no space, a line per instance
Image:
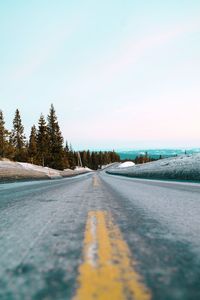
25,171
47,171
109,165
126,164
83,169
183,167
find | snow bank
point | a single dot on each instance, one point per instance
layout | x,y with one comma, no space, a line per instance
183,167
51,173
126,164
82,169
109,165
12,171
17,171
76,171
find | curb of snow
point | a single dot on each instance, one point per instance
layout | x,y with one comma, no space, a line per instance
183,167
17,171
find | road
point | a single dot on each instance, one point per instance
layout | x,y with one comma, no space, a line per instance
98,236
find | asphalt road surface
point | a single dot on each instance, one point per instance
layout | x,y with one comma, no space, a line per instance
101,237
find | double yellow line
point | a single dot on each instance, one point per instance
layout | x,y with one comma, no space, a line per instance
108,269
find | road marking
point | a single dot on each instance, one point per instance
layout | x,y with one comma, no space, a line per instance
107,271
96,181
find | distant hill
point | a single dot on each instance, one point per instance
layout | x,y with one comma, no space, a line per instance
156,153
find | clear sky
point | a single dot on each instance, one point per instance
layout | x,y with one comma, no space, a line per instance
121,74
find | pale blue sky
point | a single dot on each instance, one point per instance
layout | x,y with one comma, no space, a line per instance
121,74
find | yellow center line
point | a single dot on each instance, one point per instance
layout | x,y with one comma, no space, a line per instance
107,271
96,181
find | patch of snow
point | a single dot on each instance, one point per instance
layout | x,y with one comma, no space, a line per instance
82,169
48,171
108,165
10,169
184,167
9,165
126,164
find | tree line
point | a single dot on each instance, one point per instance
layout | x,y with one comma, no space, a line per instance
45,145
142,159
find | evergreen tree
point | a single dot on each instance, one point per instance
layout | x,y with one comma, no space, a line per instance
56,158
94,160
76,159
66,147
72,157
42,142
106,158
66,156
84,158
100,159
3,136
89,160
32,145
18,138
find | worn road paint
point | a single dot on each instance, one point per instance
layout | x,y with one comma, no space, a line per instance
96,182
107,271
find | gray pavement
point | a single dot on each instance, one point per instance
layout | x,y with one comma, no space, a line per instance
42,230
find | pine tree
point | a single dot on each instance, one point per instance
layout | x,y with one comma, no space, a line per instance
56,158
3,136
66,156
18,138
84,158
32,145
72,157
94,161
42,142
76,156
89,159
100,159
66,147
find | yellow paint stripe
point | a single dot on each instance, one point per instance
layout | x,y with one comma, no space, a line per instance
107,271
96,182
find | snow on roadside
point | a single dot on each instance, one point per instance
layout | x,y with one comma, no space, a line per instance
82,169
109,165
12,171
126,164
48,171
183,167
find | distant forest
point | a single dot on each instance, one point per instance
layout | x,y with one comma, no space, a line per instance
45,145
140,159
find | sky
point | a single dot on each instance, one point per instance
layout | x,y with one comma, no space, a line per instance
121,74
